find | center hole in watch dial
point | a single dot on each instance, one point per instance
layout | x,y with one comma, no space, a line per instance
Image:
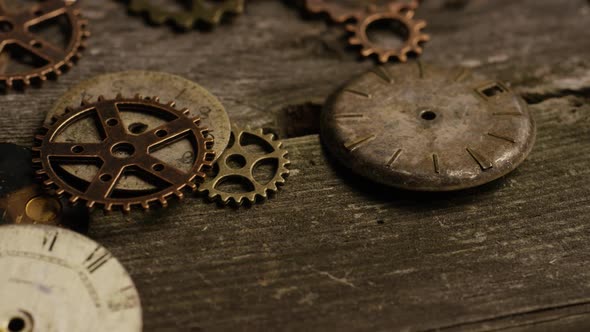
388,33
16,324
428,115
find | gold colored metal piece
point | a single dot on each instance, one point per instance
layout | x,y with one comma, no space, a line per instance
122,152
200,11
396,12
31,205
16,31
244,170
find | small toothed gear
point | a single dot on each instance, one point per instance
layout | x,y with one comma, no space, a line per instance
343,10
396,12
16,31
200,11
237,164
121,153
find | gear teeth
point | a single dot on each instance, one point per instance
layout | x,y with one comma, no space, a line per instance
403,13
201,11
108,207
179,194
171,104
119,96
163,201
127,208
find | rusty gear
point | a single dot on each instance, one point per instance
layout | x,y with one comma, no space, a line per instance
121,153
16,30
244,172
343,10
200,11
396,12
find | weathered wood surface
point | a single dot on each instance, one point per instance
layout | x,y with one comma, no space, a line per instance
331,251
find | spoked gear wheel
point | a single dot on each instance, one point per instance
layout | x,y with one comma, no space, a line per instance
238,163
344,10
15,30
398,13
121,152
200,11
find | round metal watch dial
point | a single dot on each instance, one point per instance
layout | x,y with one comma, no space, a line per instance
56,280
168,87
424,128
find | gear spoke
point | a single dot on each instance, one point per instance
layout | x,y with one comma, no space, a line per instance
167,132
42,12
105,180
75,150
41,48
110,120
275,155
161,170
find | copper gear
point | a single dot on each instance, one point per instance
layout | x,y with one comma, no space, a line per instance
58,59
200,11
395,12
138,160
246,172
342,11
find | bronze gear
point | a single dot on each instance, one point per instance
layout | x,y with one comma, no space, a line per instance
200,11
122,152
341,11
15,30
227,172
398,12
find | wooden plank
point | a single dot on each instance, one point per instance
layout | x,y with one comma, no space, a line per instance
335,252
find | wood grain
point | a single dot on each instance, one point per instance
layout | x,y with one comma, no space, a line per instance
333,252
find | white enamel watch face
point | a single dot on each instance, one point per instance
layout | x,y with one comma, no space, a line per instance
52,279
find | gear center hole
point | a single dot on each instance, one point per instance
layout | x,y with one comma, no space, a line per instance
236,161
388,33
123,150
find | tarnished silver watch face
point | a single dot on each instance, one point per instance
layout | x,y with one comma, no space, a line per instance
55,280
168,87
424,128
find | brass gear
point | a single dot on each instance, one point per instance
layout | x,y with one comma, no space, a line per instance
121,152
397,12
343,10
200,11
15,30
245,171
